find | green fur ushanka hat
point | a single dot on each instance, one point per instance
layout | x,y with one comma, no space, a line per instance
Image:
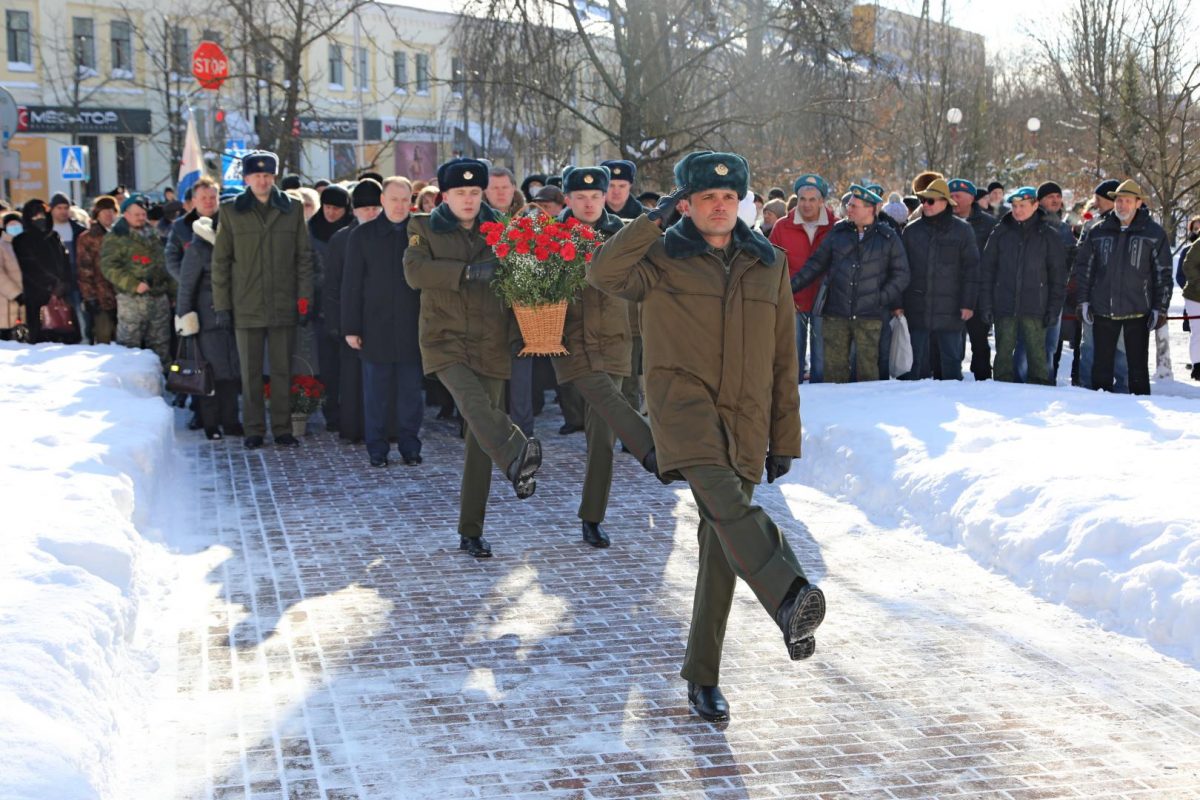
705,169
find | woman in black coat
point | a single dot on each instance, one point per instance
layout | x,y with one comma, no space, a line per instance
45,270
217,344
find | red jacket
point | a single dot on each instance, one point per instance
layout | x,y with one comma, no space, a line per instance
792,237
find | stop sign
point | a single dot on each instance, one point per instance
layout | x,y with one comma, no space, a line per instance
209,65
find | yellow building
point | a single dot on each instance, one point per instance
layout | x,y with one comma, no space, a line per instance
112,76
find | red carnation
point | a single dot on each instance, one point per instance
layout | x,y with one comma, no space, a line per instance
588,233
587,259
568,251
541,253
523,248
493,238
502,250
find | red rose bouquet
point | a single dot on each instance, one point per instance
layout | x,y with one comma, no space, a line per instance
542,264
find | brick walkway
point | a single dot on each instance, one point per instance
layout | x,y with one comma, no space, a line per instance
350,651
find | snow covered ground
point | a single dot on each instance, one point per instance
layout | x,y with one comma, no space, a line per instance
88,448
1087,499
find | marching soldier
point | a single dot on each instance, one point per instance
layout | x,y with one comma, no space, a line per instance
465,339
597,338
719,332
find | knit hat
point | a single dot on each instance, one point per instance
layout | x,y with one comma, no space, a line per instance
59,199
1048,188
333,195
1106,188
366,193
994,185
897,211
290,182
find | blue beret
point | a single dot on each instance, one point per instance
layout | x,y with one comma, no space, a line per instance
865,194
874,188
260,161
815,181
705,169
459,172
1024,193
582,179
620,169
963,185
134,200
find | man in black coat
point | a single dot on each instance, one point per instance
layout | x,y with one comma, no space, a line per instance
380,312
333,216
941,297
365,200
1124,281
68,230
867,273
967,208
1024,284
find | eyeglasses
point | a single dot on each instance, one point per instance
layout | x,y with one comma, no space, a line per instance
927,201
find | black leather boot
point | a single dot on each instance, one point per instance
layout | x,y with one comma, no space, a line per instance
524,467
650,464
594,535
708,702
798,616
253,442
476,548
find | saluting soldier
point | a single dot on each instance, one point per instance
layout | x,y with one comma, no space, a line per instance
719,333
597,338
465,336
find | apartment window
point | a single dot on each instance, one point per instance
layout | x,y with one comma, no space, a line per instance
121,32
181,52
336,67
361,69
83,31
19,39
126,161
457,78
422,73
400,70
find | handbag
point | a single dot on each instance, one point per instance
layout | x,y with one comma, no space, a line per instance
900,359
57,317
190,375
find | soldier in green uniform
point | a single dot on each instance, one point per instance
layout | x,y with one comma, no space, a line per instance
466,336
718,328
596,336
262,284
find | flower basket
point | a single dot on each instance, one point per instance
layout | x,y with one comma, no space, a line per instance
542,262
542,328
305,396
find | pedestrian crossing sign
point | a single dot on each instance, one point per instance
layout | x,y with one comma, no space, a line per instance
73,162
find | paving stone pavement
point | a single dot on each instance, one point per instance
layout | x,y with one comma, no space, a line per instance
348,650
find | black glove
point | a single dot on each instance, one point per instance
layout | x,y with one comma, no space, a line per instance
777,467
482,272
224,320
666,204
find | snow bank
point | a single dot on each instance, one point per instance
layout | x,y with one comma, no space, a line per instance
1089,500
87,444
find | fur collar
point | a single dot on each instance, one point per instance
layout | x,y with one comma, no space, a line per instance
442,219
682,240
246,200
205,228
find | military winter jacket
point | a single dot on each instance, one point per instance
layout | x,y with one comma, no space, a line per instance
719,344
1124,273
93,286
596,334
461,323
262,263
128,258
944,261
377,302
631,210
1024,269
1191,274
863,278
982,224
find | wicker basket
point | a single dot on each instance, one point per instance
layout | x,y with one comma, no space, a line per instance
542,328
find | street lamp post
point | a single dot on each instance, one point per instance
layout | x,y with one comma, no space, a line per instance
1033,126
954,116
